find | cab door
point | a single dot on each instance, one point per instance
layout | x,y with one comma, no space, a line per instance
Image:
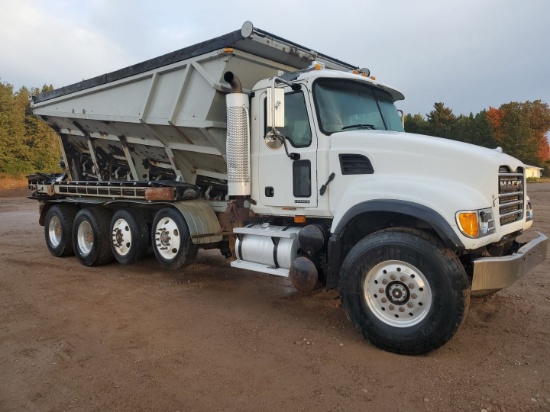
285,182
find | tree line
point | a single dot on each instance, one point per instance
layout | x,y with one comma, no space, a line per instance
520,129
27,144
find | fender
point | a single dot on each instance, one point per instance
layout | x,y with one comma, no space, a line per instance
434,219
201,219
402,207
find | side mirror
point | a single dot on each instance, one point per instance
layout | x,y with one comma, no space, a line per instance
402,116
275,107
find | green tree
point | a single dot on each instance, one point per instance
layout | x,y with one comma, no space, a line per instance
441,121
521,128
518,139
13,153
415,124
41,139
26,143
474,129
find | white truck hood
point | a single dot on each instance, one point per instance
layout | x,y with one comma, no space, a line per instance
443,175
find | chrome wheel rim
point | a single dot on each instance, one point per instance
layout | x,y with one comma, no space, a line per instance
167,238
397,293
85,238
121,237
55,231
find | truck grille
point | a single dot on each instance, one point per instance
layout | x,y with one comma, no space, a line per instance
510,194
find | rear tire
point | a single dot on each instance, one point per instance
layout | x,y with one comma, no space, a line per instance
91,236
404,291
129,236
58,229
171,240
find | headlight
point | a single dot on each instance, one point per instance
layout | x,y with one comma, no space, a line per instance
476,223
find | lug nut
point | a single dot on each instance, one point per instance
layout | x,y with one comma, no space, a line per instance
381,290
411,286
392,307
385,282
413,296
384,300
401,309
402,278
410,305
392,277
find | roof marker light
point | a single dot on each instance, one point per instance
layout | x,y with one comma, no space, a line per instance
315,65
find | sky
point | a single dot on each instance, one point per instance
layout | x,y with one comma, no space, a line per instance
468,54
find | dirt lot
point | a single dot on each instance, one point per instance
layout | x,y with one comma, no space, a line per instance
215,338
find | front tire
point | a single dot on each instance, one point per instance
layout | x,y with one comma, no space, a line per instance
171,240
91,240
404,291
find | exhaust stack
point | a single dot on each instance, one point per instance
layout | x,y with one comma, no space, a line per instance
234,81
238,138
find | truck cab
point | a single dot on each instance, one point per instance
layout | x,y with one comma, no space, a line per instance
319,106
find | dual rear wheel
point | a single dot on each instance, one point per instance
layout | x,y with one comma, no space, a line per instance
98,236
129,236
91,236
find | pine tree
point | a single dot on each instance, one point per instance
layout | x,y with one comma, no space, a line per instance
26,143
441,120
415,124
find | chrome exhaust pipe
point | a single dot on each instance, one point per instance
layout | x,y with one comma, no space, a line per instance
236,86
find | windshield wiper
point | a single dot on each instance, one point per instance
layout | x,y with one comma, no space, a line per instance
359,126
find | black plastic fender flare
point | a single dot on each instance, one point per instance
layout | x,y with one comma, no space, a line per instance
442,228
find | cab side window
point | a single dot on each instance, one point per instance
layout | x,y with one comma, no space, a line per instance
297,129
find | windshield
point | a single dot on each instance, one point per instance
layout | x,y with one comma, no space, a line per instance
351,105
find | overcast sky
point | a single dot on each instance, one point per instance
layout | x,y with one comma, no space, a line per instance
469,54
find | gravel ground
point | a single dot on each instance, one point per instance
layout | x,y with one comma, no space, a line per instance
216,338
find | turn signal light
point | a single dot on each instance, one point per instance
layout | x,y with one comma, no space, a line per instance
469,224
299,219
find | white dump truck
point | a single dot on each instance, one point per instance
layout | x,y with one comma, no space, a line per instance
291,163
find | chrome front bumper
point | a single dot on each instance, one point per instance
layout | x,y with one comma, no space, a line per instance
500,272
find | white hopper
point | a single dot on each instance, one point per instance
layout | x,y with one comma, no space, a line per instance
165,119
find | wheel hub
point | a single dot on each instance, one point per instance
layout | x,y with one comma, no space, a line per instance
165,238
122,237
55,231
397,293
118,237
85,238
